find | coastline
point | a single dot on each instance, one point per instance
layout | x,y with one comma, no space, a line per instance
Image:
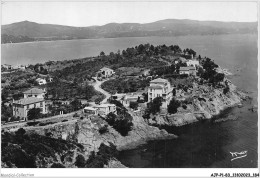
208,107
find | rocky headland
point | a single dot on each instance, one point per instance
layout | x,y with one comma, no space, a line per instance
206,102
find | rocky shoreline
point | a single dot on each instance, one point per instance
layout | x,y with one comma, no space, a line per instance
207,103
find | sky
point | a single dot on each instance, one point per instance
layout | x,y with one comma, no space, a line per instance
100,13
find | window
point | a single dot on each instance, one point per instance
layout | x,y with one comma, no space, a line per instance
35,95
27,106
41,104
35,105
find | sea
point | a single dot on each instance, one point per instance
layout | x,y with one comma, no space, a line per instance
205,144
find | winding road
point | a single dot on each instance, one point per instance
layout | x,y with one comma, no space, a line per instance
97,87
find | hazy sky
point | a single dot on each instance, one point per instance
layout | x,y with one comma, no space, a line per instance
100,13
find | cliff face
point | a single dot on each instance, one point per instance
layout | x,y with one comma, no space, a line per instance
206,102
71,144
86,132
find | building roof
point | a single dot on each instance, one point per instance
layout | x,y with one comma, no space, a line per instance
90,108
104,106
34,91
194,60
156,87
30,100
187,68
159,80
39,79
105,68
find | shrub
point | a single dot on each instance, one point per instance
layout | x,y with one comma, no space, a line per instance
102,157
48,134
173,106
20,132
121,123
34,113
32,123
226,90
80,161
57,165
103,129
154,106
133,105
76,115
46,123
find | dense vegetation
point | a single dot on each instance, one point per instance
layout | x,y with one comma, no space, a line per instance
142,56
209,72
122,122
153,107
62,89
15,39
32,150
173,106
125,85
99,159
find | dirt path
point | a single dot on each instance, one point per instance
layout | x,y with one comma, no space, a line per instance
97,87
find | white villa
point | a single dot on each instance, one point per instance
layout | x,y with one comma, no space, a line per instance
192,63
106,72
90,110
160,88
105,109
41,81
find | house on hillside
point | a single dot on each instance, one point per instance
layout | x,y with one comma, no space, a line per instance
90,110
106,72
160,88
188,70
192,63
34,92
41,81
7,66
22,106
180,59
105,109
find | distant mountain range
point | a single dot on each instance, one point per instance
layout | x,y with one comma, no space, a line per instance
31,31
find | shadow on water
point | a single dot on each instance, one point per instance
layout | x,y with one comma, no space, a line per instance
204,144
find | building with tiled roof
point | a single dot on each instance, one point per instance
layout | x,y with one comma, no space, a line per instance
104,109
22,106
34,92
160,88
188,70
106,72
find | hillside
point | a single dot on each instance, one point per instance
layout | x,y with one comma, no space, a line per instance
168,27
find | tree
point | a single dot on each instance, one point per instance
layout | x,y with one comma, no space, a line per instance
145,97
80,161
174,92
133,105
154,106
102,53
76,104
98,100
173,106
226,90
34,113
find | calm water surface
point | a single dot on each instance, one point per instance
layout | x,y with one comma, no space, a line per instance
204,144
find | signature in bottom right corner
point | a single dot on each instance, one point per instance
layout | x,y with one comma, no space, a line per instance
238,155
